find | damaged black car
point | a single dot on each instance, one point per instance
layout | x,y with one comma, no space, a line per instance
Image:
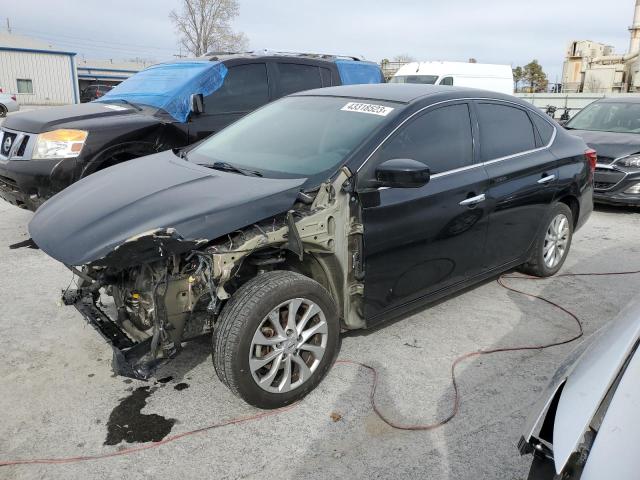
328,210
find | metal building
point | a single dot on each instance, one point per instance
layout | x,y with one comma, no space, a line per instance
36,72
106,72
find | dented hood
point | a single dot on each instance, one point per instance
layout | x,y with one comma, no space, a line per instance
610,144
88,220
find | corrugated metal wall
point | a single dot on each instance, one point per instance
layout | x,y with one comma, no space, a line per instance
53,76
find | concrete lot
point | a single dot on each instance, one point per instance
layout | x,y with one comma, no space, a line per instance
59,397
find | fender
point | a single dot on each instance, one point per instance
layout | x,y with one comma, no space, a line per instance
120,153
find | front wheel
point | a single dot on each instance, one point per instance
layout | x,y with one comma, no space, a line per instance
551,248
276,339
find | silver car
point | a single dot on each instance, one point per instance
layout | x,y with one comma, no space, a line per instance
8,103
587,424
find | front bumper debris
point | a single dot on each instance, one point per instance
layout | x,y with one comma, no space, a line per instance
130,358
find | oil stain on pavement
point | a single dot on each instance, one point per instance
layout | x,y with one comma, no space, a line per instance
127,422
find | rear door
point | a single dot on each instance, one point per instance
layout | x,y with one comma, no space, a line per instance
523,176
418,241
245,88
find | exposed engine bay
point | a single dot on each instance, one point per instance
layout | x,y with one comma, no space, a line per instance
158,289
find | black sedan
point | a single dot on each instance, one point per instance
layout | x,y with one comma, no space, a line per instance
327,210
612,127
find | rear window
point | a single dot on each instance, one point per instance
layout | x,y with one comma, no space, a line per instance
544,128
421,79
295,77
504,131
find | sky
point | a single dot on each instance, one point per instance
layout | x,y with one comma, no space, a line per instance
492,31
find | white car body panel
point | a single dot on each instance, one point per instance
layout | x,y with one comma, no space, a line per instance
495,78
10,103
590,380
615,451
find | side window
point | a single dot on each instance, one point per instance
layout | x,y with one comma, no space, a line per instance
544,128
504,131
245,88
294,77
441,138
447,81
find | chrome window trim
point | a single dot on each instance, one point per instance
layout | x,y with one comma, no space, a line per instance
475,165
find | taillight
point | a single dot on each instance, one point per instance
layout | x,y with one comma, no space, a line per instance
13,97
592,157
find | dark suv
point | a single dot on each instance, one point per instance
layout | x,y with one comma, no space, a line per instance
169,105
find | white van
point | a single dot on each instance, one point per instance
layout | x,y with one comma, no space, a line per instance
496,78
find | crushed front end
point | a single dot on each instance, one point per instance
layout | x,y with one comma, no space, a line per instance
157,290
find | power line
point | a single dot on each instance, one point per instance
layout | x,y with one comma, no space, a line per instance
89,40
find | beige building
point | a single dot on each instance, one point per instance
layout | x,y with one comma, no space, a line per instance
593,67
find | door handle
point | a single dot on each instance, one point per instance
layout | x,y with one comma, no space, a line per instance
547,179
469,202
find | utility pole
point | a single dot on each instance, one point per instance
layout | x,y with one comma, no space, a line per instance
8,25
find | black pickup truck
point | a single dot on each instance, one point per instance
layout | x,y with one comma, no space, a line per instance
170,105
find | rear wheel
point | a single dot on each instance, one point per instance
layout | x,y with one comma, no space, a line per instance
276,338
552,246
3,111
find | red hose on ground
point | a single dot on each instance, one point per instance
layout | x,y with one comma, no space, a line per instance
374,385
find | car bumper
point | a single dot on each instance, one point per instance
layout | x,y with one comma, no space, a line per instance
29,183
617,193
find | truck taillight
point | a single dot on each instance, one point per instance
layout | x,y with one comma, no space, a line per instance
592,157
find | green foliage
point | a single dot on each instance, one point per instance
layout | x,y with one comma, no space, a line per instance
532,75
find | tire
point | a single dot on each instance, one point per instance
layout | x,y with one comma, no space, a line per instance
3,111
250,327
560,216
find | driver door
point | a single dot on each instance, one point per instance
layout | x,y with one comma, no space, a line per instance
419,241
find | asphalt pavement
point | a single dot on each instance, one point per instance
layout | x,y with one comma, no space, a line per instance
60,399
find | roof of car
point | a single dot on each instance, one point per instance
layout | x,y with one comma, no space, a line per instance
405,93
634,99
327,57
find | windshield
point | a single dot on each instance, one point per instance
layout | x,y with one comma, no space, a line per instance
423,79
608,117
296,136
169,86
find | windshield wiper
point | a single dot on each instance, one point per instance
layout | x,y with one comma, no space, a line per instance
228,167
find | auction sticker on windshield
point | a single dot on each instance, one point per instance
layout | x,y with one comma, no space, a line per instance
367,108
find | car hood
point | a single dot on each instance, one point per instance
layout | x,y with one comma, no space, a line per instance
46,119
587,375
610,145
94,216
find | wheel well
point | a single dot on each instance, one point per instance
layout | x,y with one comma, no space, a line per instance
572,202
117,158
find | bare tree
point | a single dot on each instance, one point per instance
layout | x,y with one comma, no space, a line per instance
403,58
205,25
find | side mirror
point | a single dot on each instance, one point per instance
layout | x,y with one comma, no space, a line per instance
197,103
402,173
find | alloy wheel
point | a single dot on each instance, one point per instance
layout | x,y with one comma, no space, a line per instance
556,240
288,345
